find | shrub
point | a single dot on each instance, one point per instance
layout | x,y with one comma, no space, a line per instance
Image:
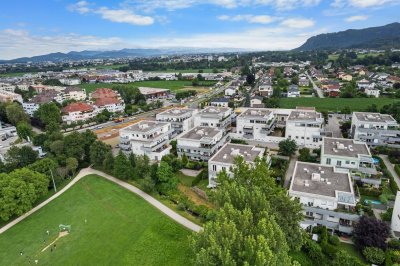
397,169
394,244
387,216
329,250
374,255
313,250
334,240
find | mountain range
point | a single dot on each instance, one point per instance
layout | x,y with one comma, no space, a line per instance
382,37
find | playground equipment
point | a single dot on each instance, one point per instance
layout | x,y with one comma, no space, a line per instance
64,227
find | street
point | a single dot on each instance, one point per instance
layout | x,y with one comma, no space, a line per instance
316,88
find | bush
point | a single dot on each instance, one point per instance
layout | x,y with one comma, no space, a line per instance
397,169
374,255
387,216
329,250
334,240
371,192
394,244
313,250
202,175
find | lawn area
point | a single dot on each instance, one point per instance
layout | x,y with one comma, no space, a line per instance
335,104
11,75
351,249
121,229
172,85
189,70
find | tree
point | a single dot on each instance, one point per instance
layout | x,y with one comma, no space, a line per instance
122,167
71,164
374,255
108,163
346,111
370,232
295,80
287,147
98,151
48,113
16,196
57,147
167,180
52,82
39,181
20,157
305,155
185,160
45,166
15,114
250,79
24,130
342,258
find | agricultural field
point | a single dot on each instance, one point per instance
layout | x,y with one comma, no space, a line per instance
335,104
109,226
173,85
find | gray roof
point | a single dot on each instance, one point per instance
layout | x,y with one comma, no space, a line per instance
256,113
304,115
198,133
230,151
145,126
176,112
345,147
214,110
293,88
374,117
220,100
338,181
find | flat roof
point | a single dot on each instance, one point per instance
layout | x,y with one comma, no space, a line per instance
200,132
345,147
320,180
303,115
374,117
256,112
175,112
230,151
214,110
148,90
144,126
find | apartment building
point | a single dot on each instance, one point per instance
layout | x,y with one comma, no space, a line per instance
305,127
323,191
255,123
149,138
200,143
7,96
33,104
224,159
181,119
74,93
395,222
220,117
105,98
375,129
265,88
352,155
80,111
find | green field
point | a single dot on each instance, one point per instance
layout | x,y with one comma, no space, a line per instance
172,85
189,70
11,75
121,229
335,104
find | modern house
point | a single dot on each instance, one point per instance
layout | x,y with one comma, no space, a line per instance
219,102
265,88
256,102
305,127
200,143
149,138
375,129
324,191
293,91
255,123
352,155
224,159
220,117
181,119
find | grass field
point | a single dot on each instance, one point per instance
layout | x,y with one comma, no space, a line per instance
11,75
172,85
335,104
189,70
121,229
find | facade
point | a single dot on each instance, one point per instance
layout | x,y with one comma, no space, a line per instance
265,88
256,102
305,127
181,119
219,102
293,91
255,123
352,155
74,93
372,92
149,138
322,190
77,112
7,96
224,159
105,98
154,93
395,223
231,91
303,81
220,117
200,143
375,129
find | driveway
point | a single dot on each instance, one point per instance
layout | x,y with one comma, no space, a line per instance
289,171
390,167
87,171
334,127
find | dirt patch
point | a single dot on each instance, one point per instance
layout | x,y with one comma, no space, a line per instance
196,199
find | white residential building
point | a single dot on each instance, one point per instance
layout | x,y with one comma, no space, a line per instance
7,96
220,117
265,88
149,138
77,112
395,223
305,127
230,91
321,190
375,129
74,93
224,159
219,102
181,119
372,92
255,123
352,155
293,91
256,102
200,143
70,81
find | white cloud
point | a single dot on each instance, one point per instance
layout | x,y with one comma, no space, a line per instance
356,18
114,15
372,3
256,19
298,23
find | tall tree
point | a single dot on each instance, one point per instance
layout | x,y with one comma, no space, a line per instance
71,164
122,167
167,180
24,130
98,152
287,147
20,157
15,114
39,181
48,113
371,232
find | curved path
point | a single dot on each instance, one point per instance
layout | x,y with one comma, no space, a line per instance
87,171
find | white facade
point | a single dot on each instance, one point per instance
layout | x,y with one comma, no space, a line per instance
70,82
255,123
305,127
395,223
7,96
181,119
146,138
372,92
30,107
220,117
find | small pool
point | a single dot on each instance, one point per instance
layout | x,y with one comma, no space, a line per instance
376,161
376,202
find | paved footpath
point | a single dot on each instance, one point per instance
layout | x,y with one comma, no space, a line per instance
390,167
87,171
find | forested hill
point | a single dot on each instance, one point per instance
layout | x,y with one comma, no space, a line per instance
382,37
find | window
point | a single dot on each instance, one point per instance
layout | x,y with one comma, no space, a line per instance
339,163
353,163
347,162
214,167
302,137
328,161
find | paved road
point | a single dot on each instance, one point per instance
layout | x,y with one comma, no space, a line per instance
334,127
316,88
87,171
390,167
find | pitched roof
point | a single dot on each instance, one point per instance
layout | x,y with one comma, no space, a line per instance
77,107
106,101
104,93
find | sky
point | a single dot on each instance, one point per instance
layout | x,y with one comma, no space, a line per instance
29,28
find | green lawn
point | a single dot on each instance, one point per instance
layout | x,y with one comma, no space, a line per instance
351,249
189,70
11,75
172,85
121,229
335,104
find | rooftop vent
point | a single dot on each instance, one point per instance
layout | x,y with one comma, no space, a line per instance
306,184
200,132
315,177
341,146
143,126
